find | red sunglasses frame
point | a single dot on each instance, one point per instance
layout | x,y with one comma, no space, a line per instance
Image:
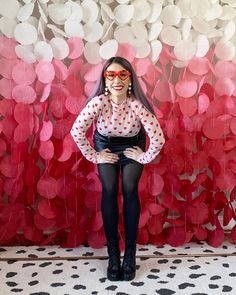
117,74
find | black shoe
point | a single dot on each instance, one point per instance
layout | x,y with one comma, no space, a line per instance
114,267
129,263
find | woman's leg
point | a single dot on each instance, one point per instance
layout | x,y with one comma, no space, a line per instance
131,174
109,176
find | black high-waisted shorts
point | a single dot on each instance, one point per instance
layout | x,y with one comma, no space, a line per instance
118,144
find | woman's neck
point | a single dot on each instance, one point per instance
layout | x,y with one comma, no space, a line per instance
118,99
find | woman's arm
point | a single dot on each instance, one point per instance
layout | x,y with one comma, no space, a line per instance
80,127
154,131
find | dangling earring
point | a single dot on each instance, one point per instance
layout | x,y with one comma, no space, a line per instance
129,89
106,90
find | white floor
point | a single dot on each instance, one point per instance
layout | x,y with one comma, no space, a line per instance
194,269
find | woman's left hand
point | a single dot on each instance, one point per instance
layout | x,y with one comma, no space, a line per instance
133,153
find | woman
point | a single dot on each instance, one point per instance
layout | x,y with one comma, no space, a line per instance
122,115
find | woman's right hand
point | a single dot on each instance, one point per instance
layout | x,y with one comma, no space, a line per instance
106,156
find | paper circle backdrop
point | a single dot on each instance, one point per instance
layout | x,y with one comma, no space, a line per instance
51,54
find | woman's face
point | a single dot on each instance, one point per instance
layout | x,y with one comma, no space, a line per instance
117,79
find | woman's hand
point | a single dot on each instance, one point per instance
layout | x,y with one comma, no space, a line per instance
133,153
105,156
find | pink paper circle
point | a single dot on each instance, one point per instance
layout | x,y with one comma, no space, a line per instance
127,51
233,125
23,73
213,128
74,85
93,72
24,94
46,149
45,71
46,209
75,104
22,113
203,103
162,92
6,66
6,87
46,131
199,66
224,86
188,106
7,47
186,88
61,70
76,47
47,187
22,132
141,66
225,69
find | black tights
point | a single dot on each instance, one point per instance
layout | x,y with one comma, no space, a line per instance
109,176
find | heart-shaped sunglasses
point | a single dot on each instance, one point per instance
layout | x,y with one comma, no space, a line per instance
122,74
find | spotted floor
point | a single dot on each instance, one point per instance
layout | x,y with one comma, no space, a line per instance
193,269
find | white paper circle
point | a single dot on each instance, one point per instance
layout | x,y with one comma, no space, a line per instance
200,7
59,47
154,13
59,13
108,11
43,51
7,26
155,30
25,52
184,50
214,12
229,30
90,11
141,9
108,32
25,12
185,8
93,31
171,15
186,28
74,28
123,13
76,11
225,50
156,47
124,34
202,46
142,47
91,53
139,29
9,8
170,35
201,26
25,33
228,13
108,49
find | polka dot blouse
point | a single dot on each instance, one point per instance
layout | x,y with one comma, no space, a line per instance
113,119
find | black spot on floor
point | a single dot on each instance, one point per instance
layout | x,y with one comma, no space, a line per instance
152,277
227,288
45,264
28,264
57,271
185,285
195,267
33,283
165,292
57,284
112,287
195,276
11,274
11,284
75,276
213,286
215,278
79,287
225,265
162,261
137,284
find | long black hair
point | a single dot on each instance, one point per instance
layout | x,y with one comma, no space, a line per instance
136,88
